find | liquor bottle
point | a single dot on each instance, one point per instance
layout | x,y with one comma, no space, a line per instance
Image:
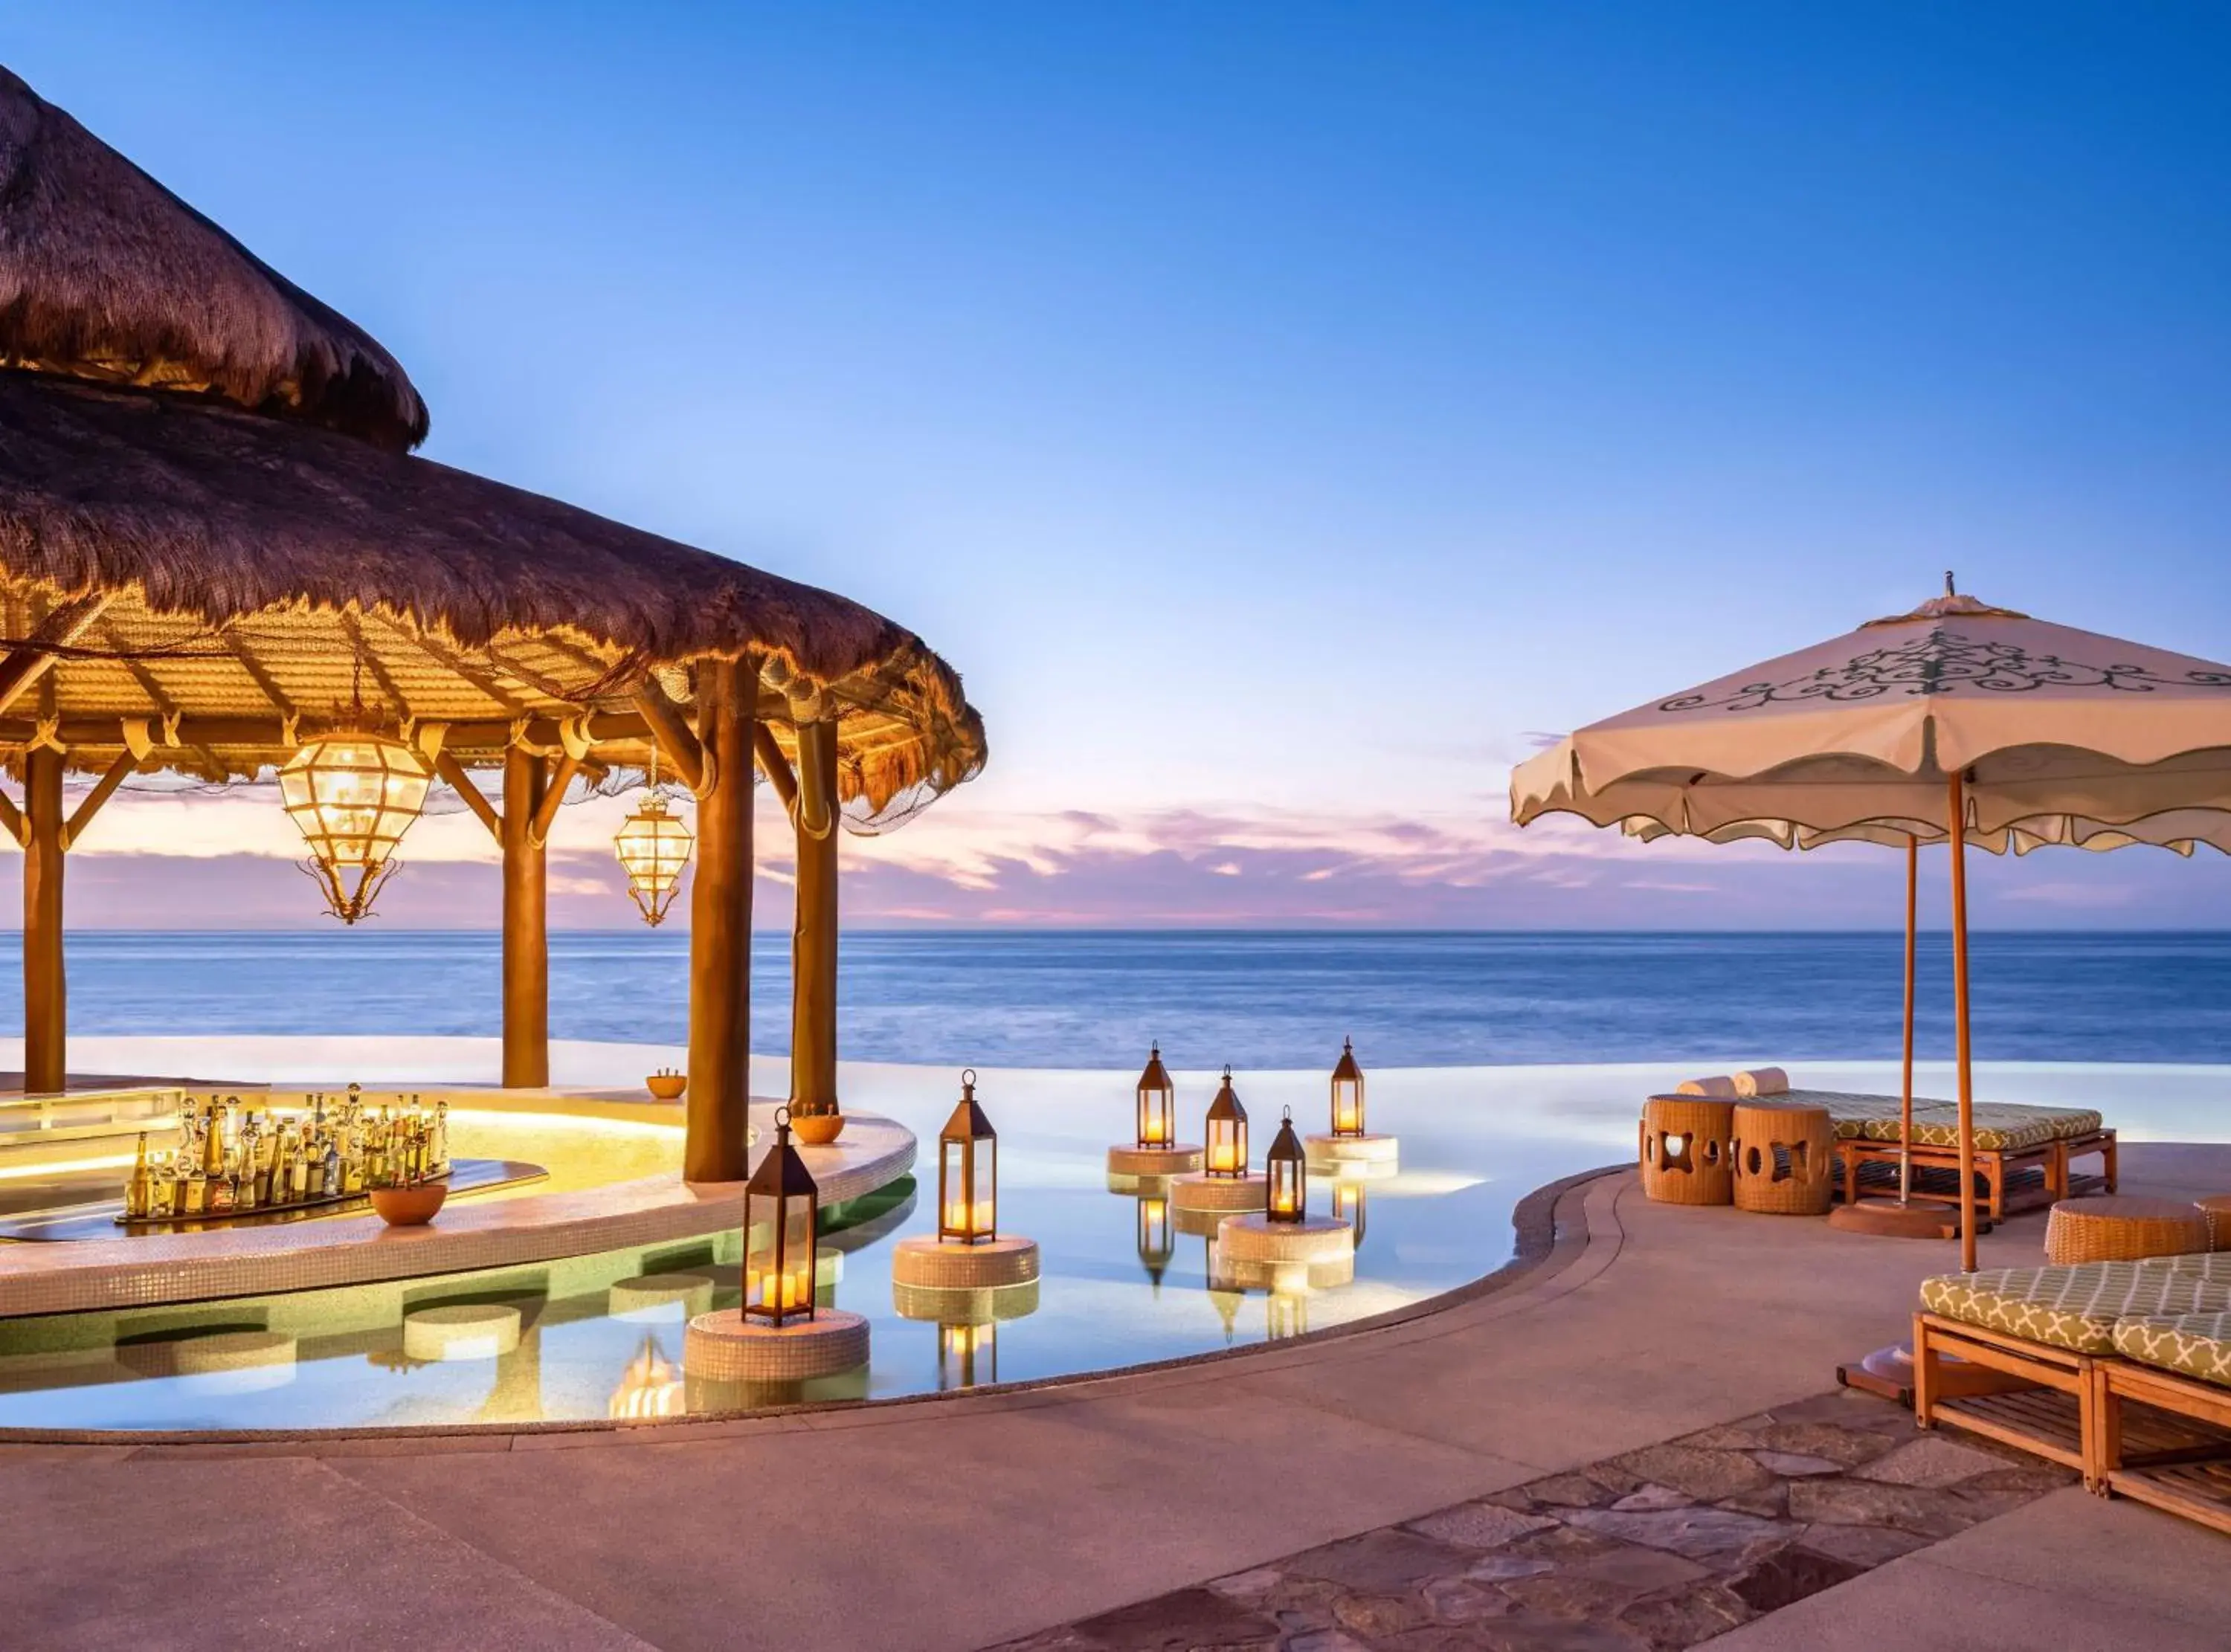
297,1175
213,1145
282,1166
329,1179
163,1198
221,1196
197,1190
138,1191
442,1135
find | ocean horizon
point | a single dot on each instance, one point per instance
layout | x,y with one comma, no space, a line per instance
1252,997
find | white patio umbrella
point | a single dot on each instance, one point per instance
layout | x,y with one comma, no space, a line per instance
1959,712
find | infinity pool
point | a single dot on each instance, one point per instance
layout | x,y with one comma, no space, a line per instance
1122,1283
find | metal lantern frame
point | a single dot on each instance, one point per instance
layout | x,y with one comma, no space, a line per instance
779,1272
654,845
1158,1104
968,1163
1285,1175
352,793
1346,1093
1225,1153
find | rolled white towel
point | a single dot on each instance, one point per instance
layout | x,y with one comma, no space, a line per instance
1718,1084
1762,1080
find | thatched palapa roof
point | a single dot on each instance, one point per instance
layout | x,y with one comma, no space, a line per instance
207,514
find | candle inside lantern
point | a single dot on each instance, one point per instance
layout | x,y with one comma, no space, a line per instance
788,1289
959,1213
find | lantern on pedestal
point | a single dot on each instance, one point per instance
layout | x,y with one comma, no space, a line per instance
1346,1093
1285,1175
1157,1104
353,795
780,1205
654,845
1227,1133
967,1172
1157,1240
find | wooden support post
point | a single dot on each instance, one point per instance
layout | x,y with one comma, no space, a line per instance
28,666
774,766
450,770
720,926
813,939
103,790
526,925
1957,810
46,993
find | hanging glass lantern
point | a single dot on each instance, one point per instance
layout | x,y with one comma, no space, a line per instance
1346,1093
1347,1206
958,1349
353,794
968,1171
1285,1174
1227,1133
779,1203
654,846
1157,1104
1157,1240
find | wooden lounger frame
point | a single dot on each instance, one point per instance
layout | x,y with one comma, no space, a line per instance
2176,1455
2188,1474
2017,1419
1996,1170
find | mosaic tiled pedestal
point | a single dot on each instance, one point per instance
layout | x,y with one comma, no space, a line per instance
1174,1160
932,1264
460,1331
725,1347
1228,1193
1353,1159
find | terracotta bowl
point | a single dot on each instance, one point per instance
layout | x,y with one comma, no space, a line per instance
816,1129
667,1086
409,1207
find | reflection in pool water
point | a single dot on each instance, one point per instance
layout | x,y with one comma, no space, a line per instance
1128,1278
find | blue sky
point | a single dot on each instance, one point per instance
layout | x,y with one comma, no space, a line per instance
1280,414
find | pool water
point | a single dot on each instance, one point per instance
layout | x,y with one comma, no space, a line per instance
1115,1291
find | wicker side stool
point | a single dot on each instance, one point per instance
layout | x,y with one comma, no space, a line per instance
1785,1158
2122,1228
1687,1155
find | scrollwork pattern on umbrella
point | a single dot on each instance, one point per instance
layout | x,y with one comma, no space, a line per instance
1940,663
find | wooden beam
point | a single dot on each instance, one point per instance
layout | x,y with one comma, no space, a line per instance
262,678
157,695
774,766
450,770
813,936
11,818
676,742
545,813
444,655
34,657
46,992
374,664
526,925
721,932
103,790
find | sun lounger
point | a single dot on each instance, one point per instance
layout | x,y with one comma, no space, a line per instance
2121,1370
2023,1154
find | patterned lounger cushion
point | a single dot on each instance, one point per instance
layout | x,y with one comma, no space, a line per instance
2074,1308
2197,1345
2001,1126
2199,1264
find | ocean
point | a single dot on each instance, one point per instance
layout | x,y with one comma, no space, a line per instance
1255,999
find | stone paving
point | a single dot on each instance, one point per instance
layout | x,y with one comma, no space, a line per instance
1657,1548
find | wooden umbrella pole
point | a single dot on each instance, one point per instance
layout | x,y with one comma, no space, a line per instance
1958,813
1906,1088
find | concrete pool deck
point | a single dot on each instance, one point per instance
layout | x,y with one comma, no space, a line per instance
968,1520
